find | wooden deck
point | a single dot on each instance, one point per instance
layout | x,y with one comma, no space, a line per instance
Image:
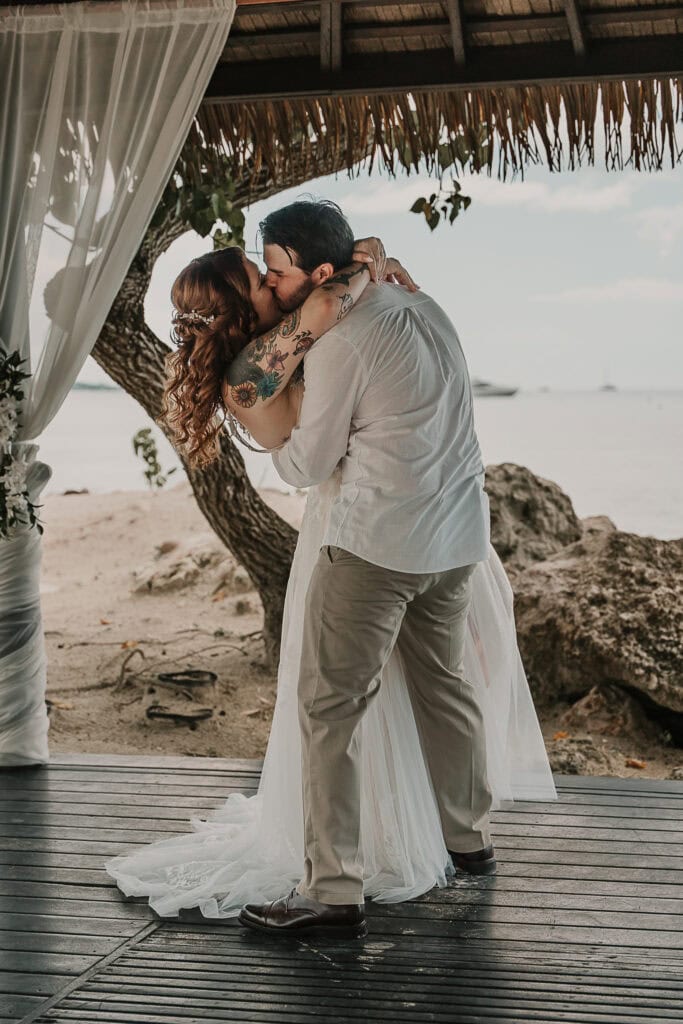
582,923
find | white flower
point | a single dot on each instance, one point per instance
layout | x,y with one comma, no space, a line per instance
15,502
8,419
14,477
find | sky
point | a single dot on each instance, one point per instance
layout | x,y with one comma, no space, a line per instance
563,280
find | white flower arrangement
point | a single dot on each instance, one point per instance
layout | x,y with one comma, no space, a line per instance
16,508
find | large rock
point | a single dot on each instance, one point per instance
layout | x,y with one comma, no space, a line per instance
177,566
606,610
531,518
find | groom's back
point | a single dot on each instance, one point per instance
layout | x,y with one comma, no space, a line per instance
412,493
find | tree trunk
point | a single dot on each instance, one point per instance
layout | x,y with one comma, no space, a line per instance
133,356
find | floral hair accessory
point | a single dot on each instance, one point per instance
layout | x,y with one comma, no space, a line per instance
194,316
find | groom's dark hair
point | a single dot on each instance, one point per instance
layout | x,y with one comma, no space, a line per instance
311,232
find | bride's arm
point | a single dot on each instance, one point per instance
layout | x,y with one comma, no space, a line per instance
270,426
261,371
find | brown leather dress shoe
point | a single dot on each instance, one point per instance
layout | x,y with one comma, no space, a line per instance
300,915
478,862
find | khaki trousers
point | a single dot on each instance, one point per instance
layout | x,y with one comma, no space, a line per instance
355,613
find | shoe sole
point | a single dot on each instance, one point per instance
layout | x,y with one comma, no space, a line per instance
338,931
484,867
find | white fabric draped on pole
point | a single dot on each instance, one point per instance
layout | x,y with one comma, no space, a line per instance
96,100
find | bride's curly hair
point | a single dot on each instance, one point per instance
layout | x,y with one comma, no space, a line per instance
213,285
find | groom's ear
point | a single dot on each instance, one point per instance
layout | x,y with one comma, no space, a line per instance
321,274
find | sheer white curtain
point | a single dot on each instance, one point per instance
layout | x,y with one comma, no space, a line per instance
96,100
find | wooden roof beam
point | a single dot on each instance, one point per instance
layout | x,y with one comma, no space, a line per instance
330,36
234,82
494,25
455,16
576,29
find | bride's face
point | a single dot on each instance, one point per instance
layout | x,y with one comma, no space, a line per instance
268,313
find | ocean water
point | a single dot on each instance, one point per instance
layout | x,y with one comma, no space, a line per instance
616,453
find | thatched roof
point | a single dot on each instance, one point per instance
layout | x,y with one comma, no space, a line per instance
494,84
491,79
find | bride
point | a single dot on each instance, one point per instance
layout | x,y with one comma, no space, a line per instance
237,356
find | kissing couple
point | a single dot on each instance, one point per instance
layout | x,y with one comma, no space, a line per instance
403,714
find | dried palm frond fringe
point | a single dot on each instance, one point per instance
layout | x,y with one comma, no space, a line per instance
493,129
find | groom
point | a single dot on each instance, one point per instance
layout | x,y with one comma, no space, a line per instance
387,395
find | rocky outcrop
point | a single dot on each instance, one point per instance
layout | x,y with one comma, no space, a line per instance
177,566
599,612
531,518
606,610
608,710
581,756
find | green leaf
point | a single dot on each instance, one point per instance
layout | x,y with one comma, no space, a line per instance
433,220
445,156
221,239
418,206
462,150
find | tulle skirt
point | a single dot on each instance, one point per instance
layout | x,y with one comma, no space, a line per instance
250,849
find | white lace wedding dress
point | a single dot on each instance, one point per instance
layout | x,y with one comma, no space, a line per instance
250,849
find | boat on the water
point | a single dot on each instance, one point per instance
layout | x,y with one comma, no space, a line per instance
484,389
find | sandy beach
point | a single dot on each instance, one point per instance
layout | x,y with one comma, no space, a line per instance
135,583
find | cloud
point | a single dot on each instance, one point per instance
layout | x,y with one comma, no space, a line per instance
662,225
638,289
386,196
390,196
551,198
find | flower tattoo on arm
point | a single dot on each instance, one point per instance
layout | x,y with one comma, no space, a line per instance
258,370
303,342
244,394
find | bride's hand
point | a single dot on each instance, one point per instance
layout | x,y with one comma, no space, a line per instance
372,252
397,274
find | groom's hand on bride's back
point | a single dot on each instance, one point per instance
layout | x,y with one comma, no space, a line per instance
382,268
397,274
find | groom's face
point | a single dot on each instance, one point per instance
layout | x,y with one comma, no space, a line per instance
290,284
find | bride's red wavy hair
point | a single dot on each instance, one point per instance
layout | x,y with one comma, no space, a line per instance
215,284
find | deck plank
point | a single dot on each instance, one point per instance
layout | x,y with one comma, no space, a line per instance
582,923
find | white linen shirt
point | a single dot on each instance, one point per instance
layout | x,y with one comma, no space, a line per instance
388,395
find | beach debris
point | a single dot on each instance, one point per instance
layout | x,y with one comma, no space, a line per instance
178,715
61,705
608,711
165,548
188,677
262,711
